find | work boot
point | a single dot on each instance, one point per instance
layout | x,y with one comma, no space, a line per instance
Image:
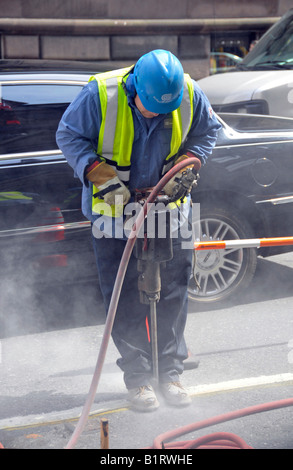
143,398
175,394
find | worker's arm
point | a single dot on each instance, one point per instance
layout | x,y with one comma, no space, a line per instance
78,131
77,137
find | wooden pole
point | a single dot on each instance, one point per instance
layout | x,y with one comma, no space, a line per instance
104,434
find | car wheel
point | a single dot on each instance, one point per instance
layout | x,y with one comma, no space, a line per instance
219,274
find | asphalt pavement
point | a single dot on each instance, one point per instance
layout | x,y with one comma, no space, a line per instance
245,360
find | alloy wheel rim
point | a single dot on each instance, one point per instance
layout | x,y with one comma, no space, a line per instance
215,271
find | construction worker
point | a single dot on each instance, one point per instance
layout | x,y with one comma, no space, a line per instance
122,132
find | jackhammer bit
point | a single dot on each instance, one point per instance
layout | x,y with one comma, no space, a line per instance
149,285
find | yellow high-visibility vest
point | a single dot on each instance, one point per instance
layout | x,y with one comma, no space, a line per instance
117,129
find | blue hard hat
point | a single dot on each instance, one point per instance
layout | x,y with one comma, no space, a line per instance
159,80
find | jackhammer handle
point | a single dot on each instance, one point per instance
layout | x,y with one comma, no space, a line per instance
142,194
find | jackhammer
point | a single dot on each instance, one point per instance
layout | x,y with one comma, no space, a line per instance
152,251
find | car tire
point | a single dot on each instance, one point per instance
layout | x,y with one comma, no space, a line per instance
221,274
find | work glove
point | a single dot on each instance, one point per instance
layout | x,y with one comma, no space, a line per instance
105,179
182,182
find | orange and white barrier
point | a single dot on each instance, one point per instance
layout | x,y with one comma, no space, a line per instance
249,243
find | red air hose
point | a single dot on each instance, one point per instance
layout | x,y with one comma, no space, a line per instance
218,440
117,290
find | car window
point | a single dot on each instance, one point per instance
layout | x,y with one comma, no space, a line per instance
275,48
30,114
246,123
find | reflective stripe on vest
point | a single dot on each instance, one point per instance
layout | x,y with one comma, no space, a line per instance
117,129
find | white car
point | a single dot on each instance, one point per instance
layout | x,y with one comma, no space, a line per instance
263,82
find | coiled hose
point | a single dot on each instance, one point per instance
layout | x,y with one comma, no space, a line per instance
220,440
116,293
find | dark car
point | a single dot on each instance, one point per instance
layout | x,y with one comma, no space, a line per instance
244,191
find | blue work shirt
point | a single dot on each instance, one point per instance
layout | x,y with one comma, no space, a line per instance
78,131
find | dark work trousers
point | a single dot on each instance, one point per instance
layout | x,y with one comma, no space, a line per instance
129,333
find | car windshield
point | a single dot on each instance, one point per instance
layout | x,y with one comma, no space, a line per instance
274,50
